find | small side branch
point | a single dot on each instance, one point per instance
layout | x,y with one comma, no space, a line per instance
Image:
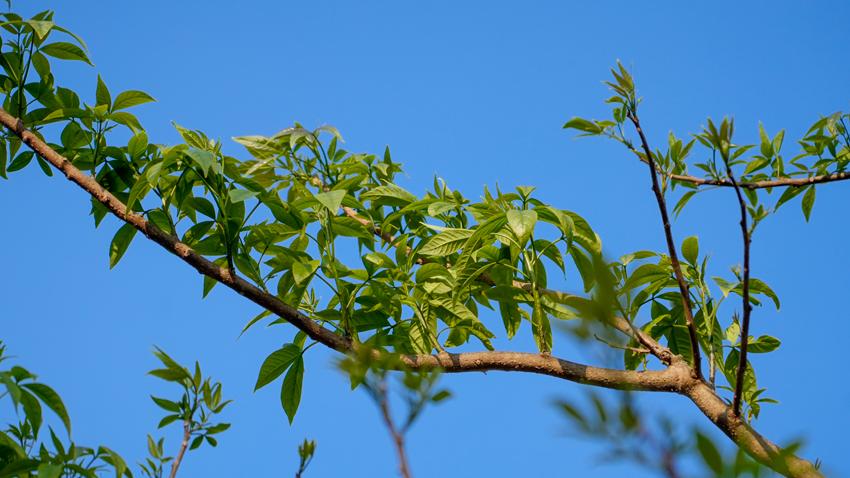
187,433
671,247
768,183
395,434
745,328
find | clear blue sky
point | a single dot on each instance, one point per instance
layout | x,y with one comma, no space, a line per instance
475,92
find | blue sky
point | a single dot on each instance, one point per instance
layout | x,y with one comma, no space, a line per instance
475,93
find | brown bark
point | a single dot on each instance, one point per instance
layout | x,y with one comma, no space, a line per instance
768,183
183,445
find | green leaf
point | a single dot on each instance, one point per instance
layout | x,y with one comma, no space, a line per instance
582,124
290,391
680,204
204,159
808,202
446,242
166,405
239,195
32,410
710,454
787,195
65,51
275,364
690,249
41,27
331,199
303,270
389,194
116,461
50,470
102,95
53,401
127,119
763,344
120,243
758,286
541,328
130,98
522,223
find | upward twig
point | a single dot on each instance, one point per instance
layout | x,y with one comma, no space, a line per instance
183,445
671,247
396,435
745,327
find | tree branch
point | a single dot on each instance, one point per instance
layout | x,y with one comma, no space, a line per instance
183,444
397,436
671,247
745,329
675,378
769,183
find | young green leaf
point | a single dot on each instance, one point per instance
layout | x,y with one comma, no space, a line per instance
130,98
522,223
65,51
275,364
331,199
290,391
120,243
690,249
53,401
446,242
808,202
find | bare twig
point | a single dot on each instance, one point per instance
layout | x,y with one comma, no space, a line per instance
745,328
671,247
396,435
183,445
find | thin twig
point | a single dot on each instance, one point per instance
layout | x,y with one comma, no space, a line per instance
671,247
767,183
745,329
397,436
183,445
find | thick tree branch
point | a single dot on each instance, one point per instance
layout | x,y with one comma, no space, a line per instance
675,378
758,447
671,247
745,329
479,361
